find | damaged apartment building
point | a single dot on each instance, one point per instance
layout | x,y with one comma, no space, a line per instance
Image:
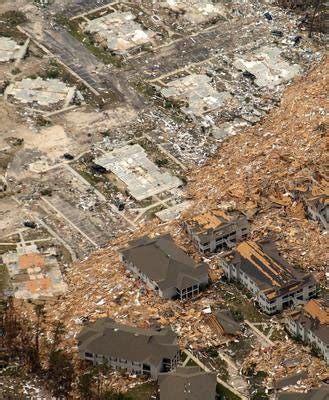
311,324
274,283
217,230
165,267
137,351
315,196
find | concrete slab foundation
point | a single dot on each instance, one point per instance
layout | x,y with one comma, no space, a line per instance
141,176
43,92
197,92
10,50
268,67
119,32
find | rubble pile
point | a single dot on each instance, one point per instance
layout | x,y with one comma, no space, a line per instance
196,11
287,359
256,167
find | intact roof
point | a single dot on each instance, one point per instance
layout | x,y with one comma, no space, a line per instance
227,322
315,317
108,338
262,262
164,262
187,383
213,220
321,393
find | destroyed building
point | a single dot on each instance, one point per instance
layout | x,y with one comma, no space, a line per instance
217,230
195,94
196,11
311,324
34,275
44,93
165,267
119,32
223,323
187,383
315,195
140,175
267,67
274,283
10,50
137,351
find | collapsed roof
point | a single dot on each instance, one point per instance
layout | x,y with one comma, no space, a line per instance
273,274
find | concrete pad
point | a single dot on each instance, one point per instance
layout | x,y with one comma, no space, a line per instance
119,32
141,176
9,49
34,275
197,91
269,68
43,92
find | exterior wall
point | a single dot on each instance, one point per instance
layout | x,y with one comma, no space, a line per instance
219,240
132,367
307,336
268,306
168,293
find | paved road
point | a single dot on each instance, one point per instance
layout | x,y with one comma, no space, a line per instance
197,48
71,8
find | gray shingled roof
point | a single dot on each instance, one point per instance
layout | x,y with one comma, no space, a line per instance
227,322
108,338
164,262
187,383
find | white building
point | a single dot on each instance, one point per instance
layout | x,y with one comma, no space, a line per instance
273,282
311,325
217,230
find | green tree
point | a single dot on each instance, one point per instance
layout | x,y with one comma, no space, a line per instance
60,374
85,385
